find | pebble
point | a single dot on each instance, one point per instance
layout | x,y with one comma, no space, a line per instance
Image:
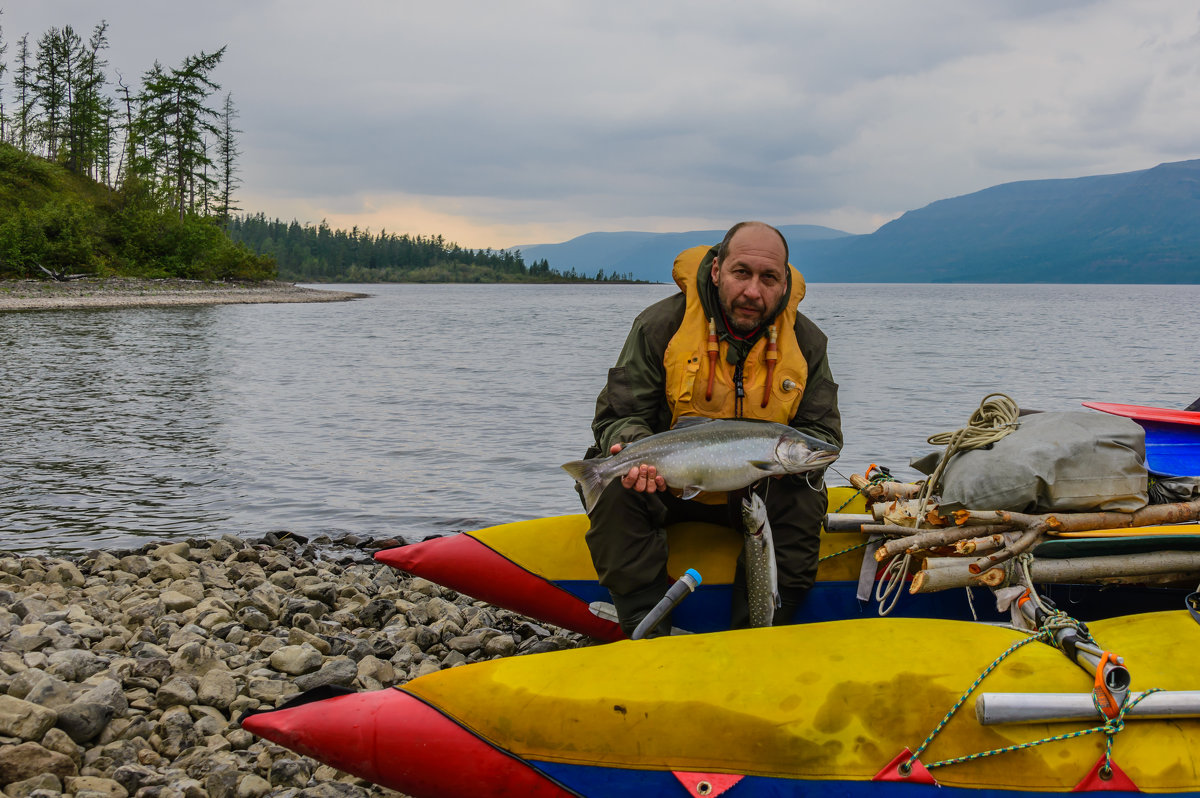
122,674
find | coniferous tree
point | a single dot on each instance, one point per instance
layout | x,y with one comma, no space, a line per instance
4,132
26,112
227,158
49,86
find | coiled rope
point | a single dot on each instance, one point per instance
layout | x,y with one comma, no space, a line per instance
1110,725
995,418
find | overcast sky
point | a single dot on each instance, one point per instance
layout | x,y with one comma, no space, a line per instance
520,122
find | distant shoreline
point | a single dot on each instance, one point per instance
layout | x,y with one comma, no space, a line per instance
118,292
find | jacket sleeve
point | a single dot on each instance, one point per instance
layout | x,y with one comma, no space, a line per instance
818,413
633,403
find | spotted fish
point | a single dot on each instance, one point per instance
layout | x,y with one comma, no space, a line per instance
714,455
762,577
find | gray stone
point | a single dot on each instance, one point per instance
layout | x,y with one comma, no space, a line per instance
254,618
324,592
157,668
222,784
296,660
24,719
24,761
108,693
297,637
290,773
177,732
64,573
217,689
175,692
83,721
134,777
58,740
268,691
253,786
95,784
501,645
51,692
339,670
25,787
376,613
195,658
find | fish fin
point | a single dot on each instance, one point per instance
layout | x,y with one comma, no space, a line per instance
590,476
692,421
765,465
691,492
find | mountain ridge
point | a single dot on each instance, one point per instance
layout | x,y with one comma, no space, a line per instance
1130,227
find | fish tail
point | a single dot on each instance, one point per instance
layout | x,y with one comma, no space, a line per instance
589,474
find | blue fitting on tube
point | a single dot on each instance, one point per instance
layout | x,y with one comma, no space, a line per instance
683,587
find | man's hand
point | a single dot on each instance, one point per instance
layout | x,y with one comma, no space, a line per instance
641,478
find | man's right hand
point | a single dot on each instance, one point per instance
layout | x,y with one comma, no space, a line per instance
641,478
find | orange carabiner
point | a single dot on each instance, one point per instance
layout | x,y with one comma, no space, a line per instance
1103,697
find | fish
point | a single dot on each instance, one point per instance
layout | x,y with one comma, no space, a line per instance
762,575
708,455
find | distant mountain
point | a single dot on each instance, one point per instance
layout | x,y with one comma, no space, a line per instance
648,256
1134,227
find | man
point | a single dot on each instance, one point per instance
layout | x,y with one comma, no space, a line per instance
708,351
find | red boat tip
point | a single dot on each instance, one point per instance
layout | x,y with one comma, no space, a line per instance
397,741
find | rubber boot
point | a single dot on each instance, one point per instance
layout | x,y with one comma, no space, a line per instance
791,600
739,612
633,607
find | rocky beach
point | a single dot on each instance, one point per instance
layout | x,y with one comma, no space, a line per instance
123,673
115,292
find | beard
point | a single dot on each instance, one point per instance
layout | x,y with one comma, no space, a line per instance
744,317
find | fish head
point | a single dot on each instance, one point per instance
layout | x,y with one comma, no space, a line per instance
797,452
754,514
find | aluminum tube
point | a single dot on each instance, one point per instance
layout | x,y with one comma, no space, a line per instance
992,709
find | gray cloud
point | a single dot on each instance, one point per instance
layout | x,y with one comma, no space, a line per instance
570,117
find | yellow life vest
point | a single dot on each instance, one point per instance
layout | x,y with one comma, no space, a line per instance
688,363
687,360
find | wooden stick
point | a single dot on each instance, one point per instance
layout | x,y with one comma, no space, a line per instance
1025,542
982,545
931,580
1150,515
1157,567
885,491
917,540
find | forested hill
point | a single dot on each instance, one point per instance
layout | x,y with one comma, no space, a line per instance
307,253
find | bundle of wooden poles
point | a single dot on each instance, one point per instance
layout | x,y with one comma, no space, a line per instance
973,547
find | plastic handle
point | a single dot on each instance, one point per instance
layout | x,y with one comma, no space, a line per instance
675,594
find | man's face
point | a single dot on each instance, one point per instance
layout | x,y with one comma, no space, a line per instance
751,278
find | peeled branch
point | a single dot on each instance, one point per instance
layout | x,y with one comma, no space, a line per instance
931,580
1036,526
884,491
1159,567
930,539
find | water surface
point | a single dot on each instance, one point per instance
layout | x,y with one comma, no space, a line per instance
425,409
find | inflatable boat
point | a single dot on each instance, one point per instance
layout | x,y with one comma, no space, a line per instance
542,569
1172,436
879,707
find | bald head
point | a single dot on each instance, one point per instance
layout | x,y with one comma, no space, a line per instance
750,273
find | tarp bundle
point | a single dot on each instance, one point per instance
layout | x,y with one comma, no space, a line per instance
1057,461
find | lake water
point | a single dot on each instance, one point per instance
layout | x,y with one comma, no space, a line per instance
427,409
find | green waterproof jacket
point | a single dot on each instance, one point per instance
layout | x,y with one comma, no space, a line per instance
633,403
